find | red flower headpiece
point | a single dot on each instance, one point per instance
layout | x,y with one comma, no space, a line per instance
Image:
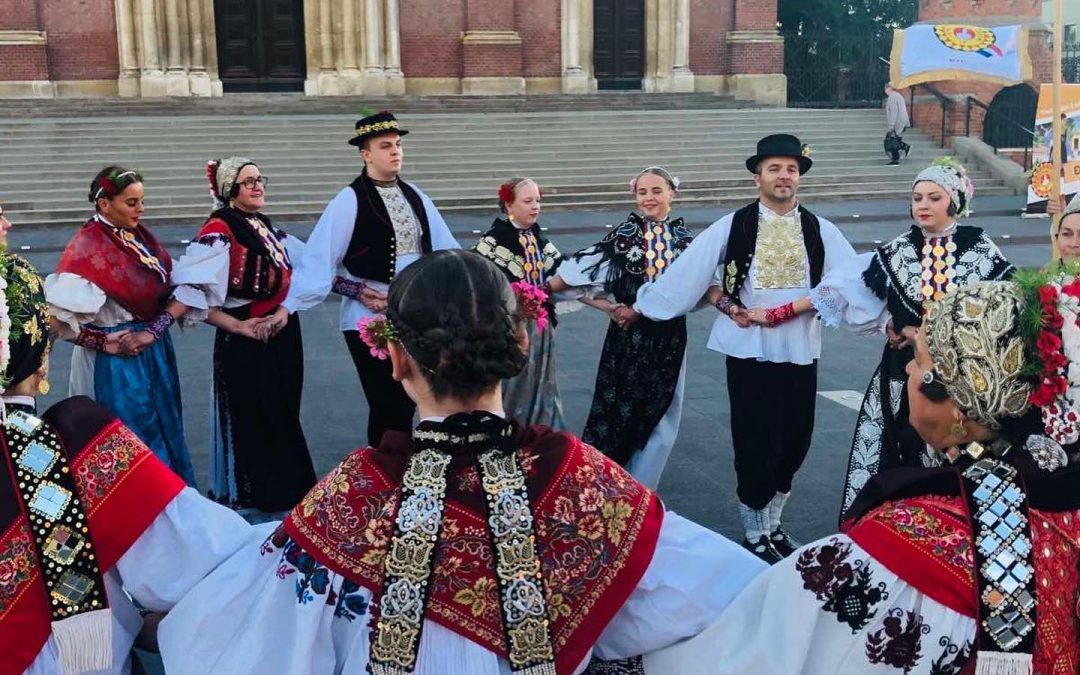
506,193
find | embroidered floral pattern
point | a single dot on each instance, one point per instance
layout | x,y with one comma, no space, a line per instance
631,666
931,532
407,231
781,254
313,578
587,529
16,564
97,470
845,586
898,643
952,659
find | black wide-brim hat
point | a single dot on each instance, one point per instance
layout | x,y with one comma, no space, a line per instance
781,145
376,125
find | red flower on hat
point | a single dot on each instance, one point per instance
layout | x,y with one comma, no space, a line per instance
1048,343
1048,295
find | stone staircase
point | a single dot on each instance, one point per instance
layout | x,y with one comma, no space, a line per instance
583,159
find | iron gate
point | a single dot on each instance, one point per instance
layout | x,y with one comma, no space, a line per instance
830,71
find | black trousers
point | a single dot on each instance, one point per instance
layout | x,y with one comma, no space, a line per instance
772,422
389,407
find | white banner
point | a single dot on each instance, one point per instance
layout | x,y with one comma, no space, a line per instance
930,53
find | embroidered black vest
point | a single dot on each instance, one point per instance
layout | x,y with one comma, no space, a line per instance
742,243
252,273
372,252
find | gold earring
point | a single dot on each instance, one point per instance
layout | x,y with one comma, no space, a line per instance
958,430
43,387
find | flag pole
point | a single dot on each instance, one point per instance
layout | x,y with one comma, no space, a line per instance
1058,127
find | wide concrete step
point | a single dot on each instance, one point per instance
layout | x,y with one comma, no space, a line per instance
298,104
308,210
582,159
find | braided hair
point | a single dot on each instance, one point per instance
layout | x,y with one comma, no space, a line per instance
111,181
456,315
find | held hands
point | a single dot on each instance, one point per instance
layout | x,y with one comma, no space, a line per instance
130,344
373,300
905,338
624,316
112,343
271,325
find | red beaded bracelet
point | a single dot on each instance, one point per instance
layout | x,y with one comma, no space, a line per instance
778,315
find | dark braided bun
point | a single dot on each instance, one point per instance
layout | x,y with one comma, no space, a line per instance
111,181
457,317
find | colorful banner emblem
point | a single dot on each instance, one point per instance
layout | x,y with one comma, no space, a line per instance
1042,172
930,53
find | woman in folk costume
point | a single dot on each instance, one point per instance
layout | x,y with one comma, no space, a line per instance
894,286
517,246
111,296
1068,232
89,518
475,547
965,568
637,403
259,458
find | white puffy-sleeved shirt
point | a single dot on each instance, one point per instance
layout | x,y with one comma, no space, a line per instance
314,271
269,610
187,540
779,274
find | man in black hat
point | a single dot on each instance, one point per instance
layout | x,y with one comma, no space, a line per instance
761,267
369,232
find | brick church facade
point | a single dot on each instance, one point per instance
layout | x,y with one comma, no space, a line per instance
151,48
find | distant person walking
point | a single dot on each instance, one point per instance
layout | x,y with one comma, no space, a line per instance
896,121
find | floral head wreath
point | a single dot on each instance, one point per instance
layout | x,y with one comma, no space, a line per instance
953,178
656,171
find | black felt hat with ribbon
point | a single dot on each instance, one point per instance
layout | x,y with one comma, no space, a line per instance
781,145
378,124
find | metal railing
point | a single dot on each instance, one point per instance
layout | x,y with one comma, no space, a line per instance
989,116
946,108
836,71
1070,62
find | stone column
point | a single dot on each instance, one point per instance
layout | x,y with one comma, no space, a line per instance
152,77
682,76
198,78
176,81
575,70
128,80
374,77
395,79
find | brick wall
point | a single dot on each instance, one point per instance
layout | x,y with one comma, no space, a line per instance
81,39
709,20
540,24
431,37
754,14
492,61
19,15
23,62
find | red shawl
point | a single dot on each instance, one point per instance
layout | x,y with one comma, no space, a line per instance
597,529
927,541
98,255
123,487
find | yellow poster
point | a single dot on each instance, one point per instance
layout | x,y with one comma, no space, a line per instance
1042,173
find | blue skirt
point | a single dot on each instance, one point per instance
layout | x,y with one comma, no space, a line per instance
144,392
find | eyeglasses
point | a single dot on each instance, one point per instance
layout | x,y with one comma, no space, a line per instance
250,183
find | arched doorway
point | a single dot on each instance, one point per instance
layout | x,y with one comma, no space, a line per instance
619,43
260,44
1011,118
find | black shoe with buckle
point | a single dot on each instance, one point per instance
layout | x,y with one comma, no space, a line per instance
783,543
764,549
